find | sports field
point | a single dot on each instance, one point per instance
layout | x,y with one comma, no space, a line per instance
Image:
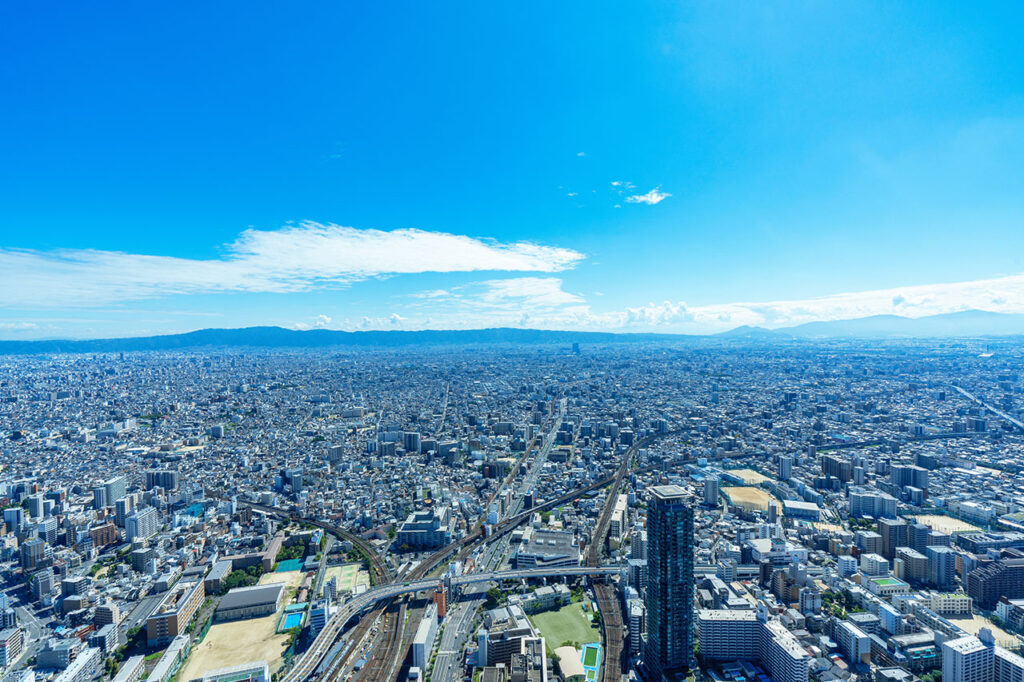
289,578
974,623
241,641
568,624
751,498
749,476
946,524
349,575
234,643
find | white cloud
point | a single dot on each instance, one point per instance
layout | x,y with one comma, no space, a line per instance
18,326
1001,295
294,258
543,304
321,321
655,196
581,153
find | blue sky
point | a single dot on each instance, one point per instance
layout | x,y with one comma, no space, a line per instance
678,167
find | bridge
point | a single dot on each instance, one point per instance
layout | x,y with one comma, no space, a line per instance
304,667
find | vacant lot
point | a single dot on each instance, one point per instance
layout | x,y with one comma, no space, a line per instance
749,476
751,498
568,624
234,643
945,524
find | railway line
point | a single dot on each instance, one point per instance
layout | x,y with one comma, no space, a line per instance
461,548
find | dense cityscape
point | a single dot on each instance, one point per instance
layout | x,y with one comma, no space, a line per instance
730,512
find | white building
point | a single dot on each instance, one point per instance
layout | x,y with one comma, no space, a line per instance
727,635
142,523
423,642
969,659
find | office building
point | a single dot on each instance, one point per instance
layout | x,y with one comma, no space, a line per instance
547,549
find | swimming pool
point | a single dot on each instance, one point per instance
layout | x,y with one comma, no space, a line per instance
291,620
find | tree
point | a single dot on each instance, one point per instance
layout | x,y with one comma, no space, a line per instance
493,597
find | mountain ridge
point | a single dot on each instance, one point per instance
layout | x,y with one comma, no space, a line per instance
969,323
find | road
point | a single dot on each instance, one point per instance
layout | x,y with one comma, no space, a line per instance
304,668
991,409
457,629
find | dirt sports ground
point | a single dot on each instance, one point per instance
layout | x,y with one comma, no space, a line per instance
751,498
243,641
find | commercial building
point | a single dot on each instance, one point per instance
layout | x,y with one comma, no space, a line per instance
669,596
547,549
423,640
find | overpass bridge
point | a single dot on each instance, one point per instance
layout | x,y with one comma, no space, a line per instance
304,667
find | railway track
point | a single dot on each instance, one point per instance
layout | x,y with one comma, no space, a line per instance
378,667
464,546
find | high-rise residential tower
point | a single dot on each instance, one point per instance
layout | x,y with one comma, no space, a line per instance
669,598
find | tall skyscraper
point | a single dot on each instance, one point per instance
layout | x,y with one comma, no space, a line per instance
669,598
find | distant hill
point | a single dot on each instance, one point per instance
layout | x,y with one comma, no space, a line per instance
972,323
969,323
278,337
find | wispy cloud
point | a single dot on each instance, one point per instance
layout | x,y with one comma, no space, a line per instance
294,258
655,196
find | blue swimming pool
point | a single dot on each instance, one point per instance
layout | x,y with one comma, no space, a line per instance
291,620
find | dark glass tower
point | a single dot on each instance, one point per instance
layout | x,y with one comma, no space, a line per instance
669,598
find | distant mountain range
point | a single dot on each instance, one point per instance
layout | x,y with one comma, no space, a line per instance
971,323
